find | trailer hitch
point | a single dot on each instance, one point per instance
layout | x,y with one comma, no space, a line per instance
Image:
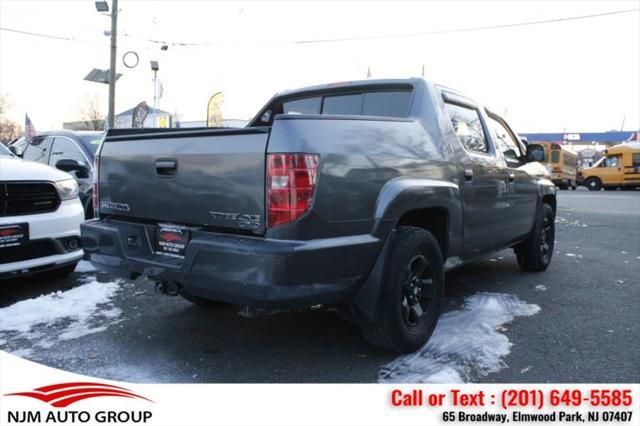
168,288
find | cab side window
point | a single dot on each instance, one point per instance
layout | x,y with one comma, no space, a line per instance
468,127
66,149
38,150
505,142
611,161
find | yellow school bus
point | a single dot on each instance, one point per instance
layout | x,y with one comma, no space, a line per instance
561,163
619,168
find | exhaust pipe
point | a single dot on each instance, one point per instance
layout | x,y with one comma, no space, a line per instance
168,288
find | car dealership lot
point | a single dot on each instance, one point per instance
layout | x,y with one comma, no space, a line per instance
563,325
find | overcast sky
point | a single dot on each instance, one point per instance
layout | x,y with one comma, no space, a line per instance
576,75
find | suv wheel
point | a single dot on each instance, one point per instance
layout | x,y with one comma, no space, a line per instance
411,294
594,184
534,253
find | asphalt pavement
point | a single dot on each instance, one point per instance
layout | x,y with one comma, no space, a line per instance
587,327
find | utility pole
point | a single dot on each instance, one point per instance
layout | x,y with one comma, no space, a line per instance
112,66
155,98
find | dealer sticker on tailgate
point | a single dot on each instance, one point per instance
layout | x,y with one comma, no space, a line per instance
172,240
14,235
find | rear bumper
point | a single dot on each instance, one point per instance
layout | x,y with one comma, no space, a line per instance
238,269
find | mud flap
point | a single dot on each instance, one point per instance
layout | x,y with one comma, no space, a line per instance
367,300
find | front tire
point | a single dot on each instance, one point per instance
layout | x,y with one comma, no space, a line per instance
593,183
412,293
534,253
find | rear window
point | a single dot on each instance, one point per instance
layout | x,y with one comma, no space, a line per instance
555,156
302,106
381,104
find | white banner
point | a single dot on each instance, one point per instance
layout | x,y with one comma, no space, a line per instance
36,394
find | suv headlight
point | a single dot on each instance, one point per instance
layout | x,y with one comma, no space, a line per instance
67,189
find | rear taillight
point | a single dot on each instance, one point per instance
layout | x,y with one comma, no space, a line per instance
291,182
95,186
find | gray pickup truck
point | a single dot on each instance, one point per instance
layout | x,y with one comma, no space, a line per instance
359,195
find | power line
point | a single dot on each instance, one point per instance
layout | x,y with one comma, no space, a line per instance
460,30
50,36
336,40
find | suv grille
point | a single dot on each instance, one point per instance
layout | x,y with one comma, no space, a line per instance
32,250
20,198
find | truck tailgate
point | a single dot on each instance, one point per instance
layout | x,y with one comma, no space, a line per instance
210,177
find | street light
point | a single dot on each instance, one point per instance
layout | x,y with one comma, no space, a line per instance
102,6
100,76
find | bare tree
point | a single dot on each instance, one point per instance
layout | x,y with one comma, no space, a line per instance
9,129
91,113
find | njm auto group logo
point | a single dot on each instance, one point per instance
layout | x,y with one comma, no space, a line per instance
61,396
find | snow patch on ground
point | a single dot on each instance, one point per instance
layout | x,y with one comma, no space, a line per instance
540,287
62,315
568,222
466,343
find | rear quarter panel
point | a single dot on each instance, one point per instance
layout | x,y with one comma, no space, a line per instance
371,169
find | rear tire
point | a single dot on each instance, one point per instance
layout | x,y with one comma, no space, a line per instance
412,293
535,253
593,183
201,301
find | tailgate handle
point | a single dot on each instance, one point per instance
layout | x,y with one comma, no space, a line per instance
166,167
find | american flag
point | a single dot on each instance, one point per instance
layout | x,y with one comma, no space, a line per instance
29,130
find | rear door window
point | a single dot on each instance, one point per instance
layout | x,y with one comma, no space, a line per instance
468,127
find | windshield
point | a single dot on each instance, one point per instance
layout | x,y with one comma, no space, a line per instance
92,141
4,151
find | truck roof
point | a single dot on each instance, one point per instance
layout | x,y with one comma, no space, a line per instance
349,85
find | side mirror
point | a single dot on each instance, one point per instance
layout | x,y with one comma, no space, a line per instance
535,153
69,165
16,150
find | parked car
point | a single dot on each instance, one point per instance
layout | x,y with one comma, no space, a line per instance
355,194
40,216
67,150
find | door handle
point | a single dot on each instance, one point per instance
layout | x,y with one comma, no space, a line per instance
512,176
468,175
166,167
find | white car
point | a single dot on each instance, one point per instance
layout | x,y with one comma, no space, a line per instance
40,216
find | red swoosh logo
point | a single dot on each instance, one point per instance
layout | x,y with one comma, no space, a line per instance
64,394
170,236
7,232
